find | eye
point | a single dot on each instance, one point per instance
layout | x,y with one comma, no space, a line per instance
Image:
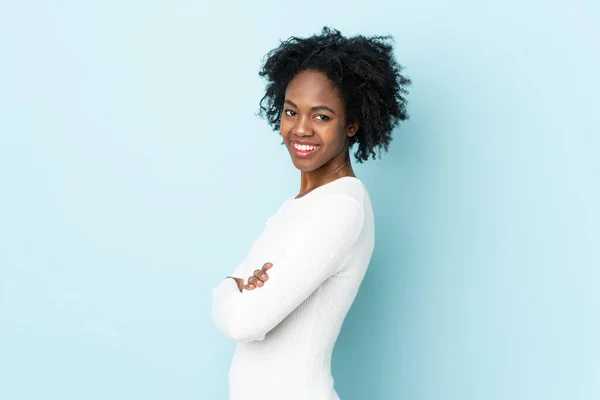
290,113
323,117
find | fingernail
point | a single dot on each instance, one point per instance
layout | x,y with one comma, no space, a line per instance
264,276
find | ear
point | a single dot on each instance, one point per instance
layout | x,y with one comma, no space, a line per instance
352,129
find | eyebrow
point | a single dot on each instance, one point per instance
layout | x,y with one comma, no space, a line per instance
315,108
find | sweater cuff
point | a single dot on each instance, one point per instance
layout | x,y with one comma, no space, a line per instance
226,286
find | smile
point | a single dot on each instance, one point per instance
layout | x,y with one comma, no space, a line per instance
303,150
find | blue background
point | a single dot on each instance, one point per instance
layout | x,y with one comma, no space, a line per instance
134,175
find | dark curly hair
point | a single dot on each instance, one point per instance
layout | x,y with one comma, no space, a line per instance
363,68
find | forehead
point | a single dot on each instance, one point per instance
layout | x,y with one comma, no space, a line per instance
312,88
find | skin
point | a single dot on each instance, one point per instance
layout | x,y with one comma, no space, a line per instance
313,112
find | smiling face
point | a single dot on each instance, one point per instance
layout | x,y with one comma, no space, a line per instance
313,124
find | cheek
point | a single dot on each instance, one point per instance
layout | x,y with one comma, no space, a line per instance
284,124
333,136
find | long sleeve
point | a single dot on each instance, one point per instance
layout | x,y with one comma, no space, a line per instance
312,251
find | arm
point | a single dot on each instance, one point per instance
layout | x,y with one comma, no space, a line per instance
315,248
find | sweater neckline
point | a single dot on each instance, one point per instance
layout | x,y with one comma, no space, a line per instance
294,199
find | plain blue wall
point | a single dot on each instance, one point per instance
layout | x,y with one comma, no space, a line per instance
134,175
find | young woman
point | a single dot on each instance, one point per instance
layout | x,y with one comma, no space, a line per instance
286,302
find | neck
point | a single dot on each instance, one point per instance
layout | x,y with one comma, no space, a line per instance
327,173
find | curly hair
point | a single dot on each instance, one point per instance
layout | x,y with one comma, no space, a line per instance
363,69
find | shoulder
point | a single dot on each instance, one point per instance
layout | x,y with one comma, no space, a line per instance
349,197
335,209
344,199
346,190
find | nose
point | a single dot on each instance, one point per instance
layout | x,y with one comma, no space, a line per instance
302,127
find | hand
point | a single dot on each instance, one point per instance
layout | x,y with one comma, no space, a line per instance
259,278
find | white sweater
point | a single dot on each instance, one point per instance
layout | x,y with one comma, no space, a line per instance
320,246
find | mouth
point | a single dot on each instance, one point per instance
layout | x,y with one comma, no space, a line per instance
304,150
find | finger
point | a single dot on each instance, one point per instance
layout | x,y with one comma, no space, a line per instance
249,287
260,274
255,281
267,266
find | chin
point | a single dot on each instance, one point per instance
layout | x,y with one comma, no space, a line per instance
304,167
305,164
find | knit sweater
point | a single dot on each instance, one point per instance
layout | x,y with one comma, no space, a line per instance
320,246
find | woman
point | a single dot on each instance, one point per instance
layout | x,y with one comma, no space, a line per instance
285,303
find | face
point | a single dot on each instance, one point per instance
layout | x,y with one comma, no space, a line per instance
313,124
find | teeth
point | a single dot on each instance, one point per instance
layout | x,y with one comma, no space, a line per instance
303,147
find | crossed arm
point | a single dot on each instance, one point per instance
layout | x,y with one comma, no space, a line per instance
297,269
258,278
